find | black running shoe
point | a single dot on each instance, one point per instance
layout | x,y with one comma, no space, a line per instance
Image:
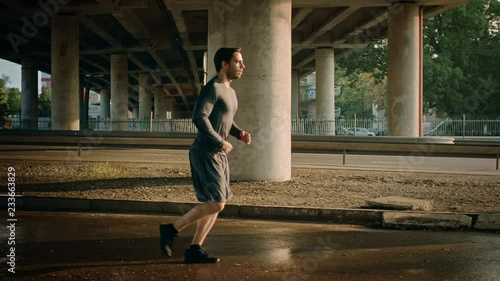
167,236
196,254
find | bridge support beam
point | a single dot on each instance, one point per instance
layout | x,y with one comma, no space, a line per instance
325,89
144,97
405,70
119,92
160,103
29,95
65,113
295,94
105,99
264,91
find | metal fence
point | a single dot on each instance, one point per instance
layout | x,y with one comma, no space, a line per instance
144,125
462,128
358,127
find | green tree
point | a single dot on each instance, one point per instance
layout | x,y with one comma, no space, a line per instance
14,100
44,103
362,74
10,98
461,62
4,105
371,59
359,91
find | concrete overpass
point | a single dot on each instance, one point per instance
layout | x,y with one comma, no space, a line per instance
137,49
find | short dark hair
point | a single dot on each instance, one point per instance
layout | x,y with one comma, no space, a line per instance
224,54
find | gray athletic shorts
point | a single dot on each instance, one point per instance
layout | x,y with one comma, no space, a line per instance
210,172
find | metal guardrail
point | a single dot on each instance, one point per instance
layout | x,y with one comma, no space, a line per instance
424,146
340,126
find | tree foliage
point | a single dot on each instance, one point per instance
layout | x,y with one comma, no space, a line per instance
461,61
10,98
359,91
44,103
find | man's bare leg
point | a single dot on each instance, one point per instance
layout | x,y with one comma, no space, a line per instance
203,227
206,212
197,213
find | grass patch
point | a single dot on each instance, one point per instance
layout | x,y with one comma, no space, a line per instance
102,169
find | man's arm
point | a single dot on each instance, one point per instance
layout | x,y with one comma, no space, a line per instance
240,134
202,109
235,131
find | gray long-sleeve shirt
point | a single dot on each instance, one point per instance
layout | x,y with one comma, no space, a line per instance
213,115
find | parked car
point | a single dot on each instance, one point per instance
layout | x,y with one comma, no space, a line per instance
360,132
341,131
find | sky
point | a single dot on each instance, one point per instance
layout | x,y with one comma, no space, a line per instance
13,70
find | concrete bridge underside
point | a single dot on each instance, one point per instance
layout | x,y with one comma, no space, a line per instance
168,38
137,49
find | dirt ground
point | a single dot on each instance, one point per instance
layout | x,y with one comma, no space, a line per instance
321,188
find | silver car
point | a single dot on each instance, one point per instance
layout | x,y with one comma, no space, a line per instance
360,132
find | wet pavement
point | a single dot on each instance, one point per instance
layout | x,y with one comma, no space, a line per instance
84,246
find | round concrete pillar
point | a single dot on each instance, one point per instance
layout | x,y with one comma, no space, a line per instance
264,90
403,103
169,106
119,92
65,114
325,90
29,95
325,84
295,94
144,97
105,99
160,111
135,112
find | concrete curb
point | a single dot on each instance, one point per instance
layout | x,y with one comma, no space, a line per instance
380,218
426,220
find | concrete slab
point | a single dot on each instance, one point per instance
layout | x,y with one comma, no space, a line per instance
127,206
352,216
488,222
425,220
399,203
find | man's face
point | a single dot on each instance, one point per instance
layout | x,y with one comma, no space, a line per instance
235,67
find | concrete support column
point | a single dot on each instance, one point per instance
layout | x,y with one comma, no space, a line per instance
29,95
265,87
105,103
325,84
144,97
160,111
169,106
295,94
404,71
325,90
135,112
119,92
65,73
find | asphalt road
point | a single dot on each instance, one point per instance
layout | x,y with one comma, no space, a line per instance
308,160
86,246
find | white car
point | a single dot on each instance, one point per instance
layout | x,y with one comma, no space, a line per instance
360,132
